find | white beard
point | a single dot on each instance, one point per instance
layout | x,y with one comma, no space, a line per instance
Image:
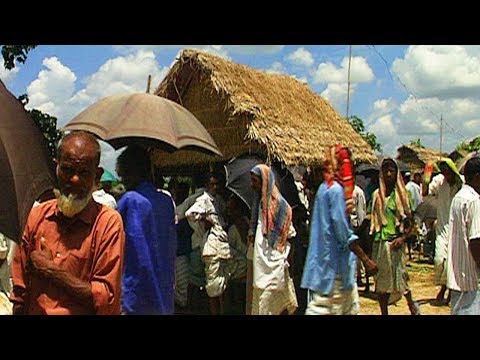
70,205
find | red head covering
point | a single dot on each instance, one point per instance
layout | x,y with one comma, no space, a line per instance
338,166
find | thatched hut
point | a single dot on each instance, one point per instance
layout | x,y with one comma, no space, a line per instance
416,157
251,111
457,155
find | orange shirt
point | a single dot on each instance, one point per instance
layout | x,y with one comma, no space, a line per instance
89,246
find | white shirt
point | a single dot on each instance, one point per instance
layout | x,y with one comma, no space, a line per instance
101,197
208,205
187,203
359,211
301,194
440,188
7,247
416,193
462,271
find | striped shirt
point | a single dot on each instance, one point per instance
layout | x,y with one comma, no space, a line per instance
462,271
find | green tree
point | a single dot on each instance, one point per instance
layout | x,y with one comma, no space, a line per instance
417,142
369,137
473,145
47,124
12,53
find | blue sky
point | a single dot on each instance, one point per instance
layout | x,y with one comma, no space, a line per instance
400,91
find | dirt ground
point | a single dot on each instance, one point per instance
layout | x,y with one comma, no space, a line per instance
424,291
420,270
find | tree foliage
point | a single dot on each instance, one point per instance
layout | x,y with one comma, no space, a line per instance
12,53
473,145
47,124
369,137
417,142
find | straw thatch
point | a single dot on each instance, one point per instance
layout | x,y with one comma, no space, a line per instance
416,157
247,110
457,155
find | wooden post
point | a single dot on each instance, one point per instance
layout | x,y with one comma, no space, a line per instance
441,132
348,86
148,83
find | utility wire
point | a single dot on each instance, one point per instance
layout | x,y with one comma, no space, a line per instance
435,116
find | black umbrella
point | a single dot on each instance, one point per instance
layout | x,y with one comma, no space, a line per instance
427,209
238,180
238,177
286,184
402,166
26,170
364,169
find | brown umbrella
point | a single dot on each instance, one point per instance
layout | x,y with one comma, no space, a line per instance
26,170
144,119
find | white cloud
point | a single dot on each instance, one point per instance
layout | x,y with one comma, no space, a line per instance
302,79
328,73
336,94
384,106
301,57
276,68
360,72
221,50
125,74
53,90
472,126
108,159
7,76
444,71
254,49
218,50
420,118
53,87
121,75
383,127
381,107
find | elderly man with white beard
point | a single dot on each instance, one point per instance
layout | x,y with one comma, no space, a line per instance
70,259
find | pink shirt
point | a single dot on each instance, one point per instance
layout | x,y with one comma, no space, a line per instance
89,246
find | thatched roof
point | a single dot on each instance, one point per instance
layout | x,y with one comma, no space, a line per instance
457,155
247,110
416,156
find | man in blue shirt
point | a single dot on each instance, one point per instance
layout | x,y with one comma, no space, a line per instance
151,239
330,266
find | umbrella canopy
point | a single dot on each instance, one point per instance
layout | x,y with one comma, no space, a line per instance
366,168
427,209
402,166
144,119
238,180
26,170
238,177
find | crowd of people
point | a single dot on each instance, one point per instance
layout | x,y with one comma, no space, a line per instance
87,249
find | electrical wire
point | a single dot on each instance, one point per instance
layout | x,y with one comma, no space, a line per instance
427,109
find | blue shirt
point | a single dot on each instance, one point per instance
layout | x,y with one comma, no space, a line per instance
330,235
150,251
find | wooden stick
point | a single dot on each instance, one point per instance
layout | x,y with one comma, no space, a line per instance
148,83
